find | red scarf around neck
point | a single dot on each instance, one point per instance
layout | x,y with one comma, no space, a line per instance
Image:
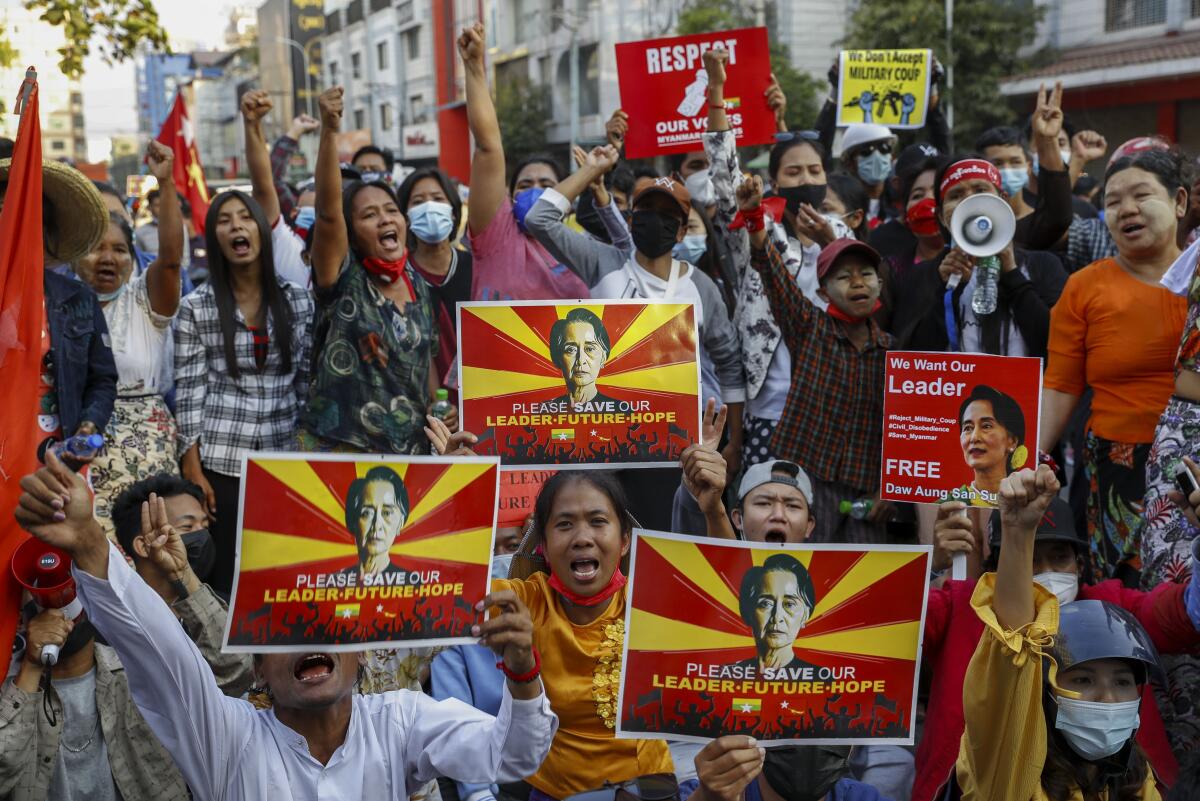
389,272
838,314
612,588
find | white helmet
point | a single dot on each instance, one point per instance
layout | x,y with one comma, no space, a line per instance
860,133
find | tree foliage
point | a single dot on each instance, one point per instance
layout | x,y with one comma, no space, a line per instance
987,35
116,27
523,111
801,90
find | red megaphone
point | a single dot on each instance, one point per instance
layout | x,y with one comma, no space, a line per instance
46,572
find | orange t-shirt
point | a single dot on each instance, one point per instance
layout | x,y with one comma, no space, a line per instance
580,670
1119,336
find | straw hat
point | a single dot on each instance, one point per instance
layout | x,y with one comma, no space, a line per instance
79,211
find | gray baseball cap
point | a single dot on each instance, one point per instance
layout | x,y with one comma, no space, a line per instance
776,472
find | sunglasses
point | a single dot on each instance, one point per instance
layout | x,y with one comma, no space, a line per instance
654,787
789,136
884,147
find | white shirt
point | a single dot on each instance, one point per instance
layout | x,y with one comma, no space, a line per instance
229,751
287,247
139,339
635,281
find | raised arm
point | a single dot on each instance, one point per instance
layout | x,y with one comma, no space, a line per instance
256,104
1024,497
487,163
163,275
330,242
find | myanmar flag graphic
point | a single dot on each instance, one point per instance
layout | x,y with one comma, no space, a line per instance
805,643
537,377
344,551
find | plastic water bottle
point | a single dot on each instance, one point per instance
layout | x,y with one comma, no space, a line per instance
80,447
441,404
987,280
858,509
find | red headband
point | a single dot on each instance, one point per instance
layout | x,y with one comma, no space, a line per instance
966,170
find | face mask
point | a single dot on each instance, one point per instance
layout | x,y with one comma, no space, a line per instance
875,167
1065,586
1013,180
1097,730
653,233
305,217
699,186
431,222
83,633
106,297
1066,157
201,551
377,177
922,217
691,249
523,202
501,565
812,194
805,773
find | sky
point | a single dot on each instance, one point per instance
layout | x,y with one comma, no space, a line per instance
110,92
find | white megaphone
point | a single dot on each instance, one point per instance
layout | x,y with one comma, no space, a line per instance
982,226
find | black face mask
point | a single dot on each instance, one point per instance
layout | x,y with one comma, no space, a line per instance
201,551
812,194
654,234
805,773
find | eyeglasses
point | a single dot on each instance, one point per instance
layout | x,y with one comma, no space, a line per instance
884,147
788,136
654,787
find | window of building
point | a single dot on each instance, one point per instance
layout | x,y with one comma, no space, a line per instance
412,43
58,144
1122,15
356,65
381,55
360,119
333,73
416,109
385,116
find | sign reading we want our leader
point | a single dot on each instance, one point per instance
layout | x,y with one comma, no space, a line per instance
818,644
664,89
590,383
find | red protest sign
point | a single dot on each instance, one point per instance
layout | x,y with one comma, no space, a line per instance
663,89
518,494
955,424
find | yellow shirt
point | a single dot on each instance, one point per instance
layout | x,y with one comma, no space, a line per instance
581,673
1003,748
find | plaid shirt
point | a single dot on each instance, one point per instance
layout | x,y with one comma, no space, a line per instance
258,411
832,424
1088,240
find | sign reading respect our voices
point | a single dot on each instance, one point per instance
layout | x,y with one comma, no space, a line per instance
664,89
955,424
345,552
818,644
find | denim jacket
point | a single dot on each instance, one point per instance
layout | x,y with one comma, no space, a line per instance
85,373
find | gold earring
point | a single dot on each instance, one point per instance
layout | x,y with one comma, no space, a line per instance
1018,457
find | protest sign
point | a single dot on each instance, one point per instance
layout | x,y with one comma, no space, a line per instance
955,424
887,87
589,383
518,494
663,87
819,644
349,552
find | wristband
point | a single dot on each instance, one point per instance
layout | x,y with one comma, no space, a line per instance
523,678
717,105
1048,460
752,220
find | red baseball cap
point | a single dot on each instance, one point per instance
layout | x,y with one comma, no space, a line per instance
838,247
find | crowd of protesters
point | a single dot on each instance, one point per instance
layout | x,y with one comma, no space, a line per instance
320,317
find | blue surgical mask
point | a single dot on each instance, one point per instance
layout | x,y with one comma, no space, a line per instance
875,167
523,202
431,222
501,565
1013,180
106,297
1094,729
691,249
305,217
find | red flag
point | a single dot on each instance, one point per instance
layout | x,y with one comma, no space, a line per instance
22,309
178,134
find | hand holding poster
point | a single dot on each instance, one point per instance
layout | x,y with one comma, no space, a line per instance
813,644
886,87
955,424
664,87
346,552
545,384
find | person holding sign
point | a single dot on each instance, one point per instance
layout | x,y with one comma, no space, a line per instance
320,736
568,572
1033,733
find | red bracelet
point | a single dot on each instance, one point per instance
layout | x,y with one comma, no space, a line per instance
1048,460
752,220
523,678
